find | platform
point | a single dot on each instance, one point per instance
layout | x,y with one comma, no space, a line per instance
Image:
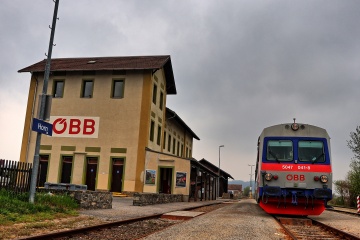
181,215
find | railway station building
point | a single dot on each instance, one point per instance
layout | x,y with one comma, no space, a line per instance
111,127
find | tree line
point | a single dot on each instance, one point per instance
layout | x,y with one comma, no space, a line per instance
349,188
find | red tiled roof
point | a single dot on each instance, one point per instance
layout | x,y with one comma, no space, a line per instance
110,63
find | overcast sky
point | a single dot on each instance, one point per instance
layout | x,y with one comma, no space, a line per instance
239,66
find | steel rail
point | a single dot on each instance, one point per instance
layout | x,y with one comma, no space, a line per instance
344,212
286,230
75,231
335,230
91,228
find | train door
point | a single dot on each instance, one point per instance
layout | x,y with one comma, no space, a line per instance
117,174
43,167
66,169
257,173
91,170
165,180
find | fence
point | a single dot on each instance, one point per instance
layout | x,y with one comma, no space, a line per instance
15,176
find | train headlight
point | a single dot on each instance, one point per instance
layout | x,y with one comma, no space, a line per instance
275,177
268,176
316,178
323,179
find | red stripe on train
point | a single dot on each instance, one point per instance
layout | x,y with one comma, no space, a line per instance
296,167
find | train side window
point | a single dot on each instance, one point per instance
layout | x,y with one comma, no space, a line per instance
311,151
279,150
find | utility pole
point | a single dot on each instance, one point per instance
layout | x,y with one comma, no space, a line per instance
34,173
250,192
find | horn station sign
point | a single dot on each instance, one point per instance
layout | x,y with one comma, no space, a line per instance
42,127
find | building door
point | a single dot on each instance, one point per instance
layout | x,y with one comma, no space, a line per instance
43,167
91,171
117,174
165,183
66,169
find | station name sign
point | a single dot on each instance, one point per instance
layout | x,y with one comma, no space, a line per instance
41,127
75,126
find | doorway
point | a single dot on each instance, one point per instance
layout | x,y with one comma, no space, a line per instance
117,174
91,170
42,172
165,180
66,169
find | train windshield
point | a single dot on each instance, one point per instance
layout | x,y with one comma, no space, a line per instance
311,151
279,150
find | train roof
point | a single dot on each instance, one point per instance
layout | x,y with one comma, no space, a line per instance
295,129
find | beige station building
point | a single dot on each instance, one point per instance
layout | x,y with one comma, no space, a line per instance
112,130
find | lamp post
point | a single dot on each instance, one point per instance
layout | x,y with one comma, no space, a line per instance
219,172
250,192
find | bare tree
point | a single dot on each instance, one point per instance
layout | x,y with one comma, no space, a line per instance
354,174
354,143
342,188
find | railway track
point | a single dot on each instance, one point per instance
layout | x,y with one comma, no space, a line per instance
307,228
134,228
344,211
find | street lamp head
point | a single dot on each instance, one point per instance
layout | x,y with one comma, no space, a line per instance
221,146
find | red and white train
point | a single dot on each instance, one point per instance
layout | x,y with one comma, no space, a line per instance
293,169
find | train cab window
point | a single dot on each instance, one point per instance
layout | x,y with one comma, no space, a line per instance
279,150
311,151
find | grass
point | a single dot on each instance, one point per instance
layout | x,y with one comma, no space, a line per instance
17,209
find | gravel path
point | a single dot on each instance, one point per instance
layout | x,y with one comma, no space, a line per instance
241,220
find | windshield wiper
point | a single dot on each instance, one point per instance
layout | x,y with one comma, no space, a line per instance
315,159
272,154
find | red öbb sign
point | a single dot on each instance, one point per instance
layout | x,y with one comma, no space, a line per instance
75,127
295,177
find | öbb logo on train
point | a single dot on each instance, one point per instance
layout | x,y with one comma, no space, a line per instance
295,177
75,126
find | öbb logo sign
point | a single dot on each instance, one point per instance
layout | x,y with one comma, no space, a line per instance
75,127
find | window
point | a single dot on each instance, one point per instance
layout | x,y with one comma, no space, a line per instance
154,94
279,150
182,151
118,89
161,100
164,143
187,152
169,143
174,145
152,126
87,89
58,89
311,151
178,148
158,140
